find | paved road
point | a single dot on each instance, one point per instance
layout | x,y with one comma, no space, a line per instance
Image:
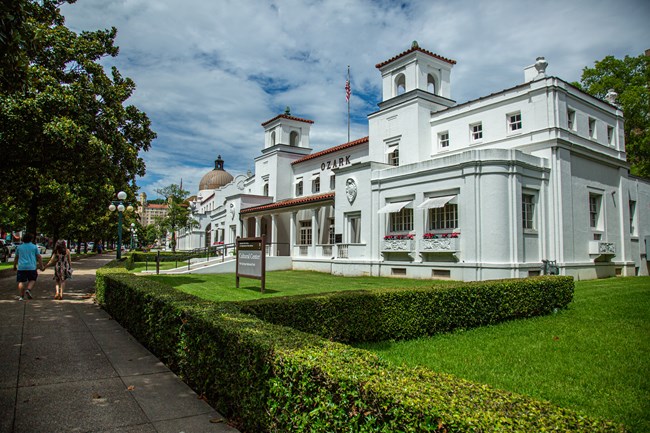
65,366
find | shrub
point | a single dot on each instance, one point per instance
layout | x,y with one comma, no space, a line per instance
273,378
392,314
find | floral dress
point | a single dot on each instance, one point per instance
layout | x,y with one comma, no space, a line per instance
62,268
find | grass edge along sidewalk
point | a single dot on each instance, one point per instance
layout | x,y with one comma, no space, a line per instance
303,382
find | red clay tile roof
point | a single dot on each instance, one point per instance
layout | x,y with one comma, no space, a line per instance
286,116
290,202
332,150
412,49
157,206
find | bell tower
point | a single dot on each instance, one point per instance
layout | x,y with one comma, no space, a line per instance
287,130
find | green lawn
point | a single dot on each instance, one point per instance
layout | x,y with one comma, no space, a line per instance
151,266
221,287
593,357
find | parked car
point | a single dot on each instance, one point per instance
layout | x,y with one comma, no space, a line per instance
4,251
42,248
12,247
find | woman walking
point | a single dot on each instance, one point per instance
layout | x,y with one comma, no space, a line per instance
62,268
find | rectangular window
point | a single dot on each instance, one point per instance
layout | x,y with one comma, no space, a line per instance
401,221
528,211
514,122
571,119
594,210
476,132
305,232
315,185
332,182
393,157
331,235
632,217
610,135
444,218
354,228
592,128
443,140
299,188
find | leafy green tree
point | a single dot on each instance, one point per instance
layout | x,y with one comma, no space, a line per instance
178,211
69,140
630,78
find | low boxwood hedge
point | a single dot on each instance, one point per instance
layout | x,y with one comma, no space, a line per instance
394,314
273,378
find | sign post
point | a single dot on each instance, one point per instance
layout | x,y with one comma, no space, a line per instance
251,259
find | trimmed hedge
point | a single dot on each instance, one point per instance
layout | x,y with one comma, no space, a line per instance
272,378
396,314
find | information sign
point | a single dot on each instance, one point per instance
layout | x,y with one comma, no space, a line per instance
251,259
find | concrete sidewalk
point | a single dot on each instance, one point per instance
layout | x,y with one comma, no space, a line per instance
66,366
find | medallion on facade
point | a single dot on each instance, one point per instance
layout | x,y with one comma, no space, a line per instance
351,190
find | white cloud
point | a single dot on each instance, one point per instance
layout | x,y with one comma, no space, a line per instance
208,73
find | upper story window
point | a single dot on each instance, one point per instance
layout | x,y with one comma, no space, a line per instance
595,201
528,211
476,132
431,84
571,119
332,182
299,187
592,128
393,157
273,138
514,122
315,184
266,188
400,84
293,138
443,140
401,221
610,135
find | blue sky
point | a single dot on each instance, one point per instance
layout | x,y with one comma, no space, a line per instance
209,72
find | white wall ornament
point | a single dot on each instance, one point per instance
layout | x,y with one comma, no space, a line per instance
232,211
351,190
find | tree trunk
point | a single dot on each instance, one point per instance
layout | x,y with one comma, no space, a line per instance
32,215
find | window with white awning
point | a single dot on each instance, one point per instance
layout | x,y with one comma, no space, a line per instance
436,202
394,207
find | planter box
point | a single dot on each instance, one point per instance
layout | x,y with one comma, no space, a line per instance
439,245
398,245
600,247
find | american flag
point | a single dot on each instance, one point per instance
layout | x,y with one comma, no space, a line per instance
348,92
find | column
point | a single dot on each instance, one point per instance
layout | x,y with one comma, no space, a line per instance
292,228
274,235
315,232
258,226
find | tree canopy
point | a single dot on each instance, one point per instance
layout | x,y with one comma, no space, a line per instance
69,139
630,78
178,212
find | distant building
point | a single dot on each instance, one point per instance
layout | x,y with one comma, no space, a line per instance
149,212
491,188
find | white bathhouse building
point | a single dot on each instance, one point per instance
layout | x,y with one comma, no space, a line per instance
520,182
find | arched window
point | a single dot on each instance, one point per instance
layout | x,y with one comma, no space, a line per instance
431,84
273,138
400,84
293,138
266,188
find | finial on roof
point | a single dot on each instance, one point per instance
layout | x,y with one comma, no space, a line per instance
287,111
611,96
415,44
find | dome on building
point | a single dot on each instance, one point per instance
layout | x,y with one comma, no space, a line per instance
215,178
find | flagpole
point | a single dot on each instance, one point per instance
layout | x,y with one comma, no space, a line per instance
348,98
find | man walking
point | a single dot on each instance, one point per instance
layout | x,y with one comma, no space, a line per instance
27,259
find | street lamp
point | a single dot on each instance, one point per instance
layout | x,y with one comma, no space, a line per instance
134,236
119,206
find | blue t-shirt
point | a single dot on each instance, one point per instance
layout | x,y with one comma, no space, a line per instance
26,254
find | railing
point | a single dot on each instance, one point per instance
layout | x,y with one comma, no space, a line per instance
342,251
439,245
303,250
398,245
327,250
